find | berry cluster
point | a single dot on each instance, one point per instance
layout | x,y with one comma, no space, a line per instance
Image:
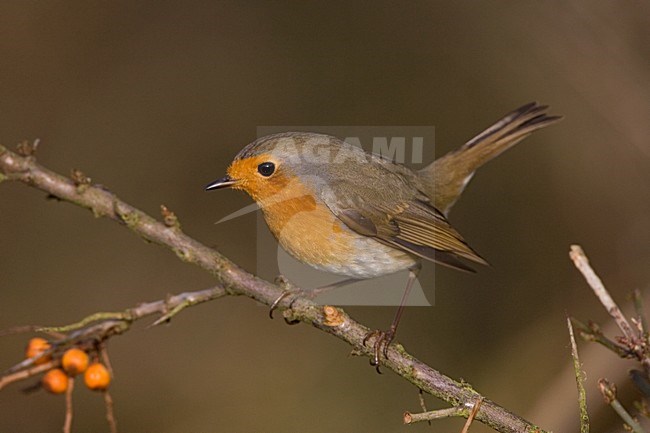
73,362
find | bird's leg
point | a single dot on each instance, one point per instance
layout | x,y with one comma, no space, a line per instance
323,289
311,294
289,290
384,338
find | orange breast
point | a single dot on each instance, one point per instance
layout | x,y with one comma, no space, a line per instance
306,228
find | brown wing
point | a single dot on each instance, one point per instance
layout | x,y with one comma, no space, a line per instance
422,225
414,227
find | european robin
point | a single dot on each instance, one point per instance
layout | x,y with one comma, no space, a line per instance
339,209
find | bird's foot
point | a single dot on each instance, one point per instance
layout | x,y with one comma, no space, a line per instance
289,290
380,346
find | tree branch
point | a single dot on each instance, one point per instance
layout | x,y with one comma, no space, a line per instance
235,281
634,340
581,262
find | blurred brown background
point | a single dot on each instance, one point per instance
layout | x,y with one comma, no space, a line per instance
152,100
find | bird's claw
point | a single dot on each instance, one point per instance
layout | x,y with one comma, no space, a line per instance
380,346
289,290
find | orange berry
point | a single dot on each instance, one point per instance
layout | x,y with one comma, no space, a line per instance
97,377
35,347
74,361
55,381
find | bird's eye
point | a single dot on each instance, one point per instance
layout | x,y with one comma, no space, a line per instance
266,169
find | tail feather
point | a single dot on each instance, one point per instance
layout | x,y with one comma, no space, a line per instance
446,178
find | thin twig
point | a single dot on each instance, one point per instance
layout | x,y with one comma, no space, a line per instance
110,411
608,390
626,417
593,333
25,374
640,311
95,317
423,403
105,359
20,329
580,378
236,281
581,262
472,415
67,425
101,326
412,418
635,340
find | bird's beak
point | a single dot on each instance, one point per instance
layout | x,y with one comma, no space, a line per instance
224,182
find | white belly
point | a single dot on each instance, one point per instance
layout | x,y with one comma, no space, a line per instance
377,260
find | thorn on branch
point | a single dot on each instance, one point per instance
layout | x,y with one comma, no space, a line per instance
167,317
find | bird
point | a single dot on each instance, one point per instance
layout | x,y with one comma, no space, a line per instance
340,209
